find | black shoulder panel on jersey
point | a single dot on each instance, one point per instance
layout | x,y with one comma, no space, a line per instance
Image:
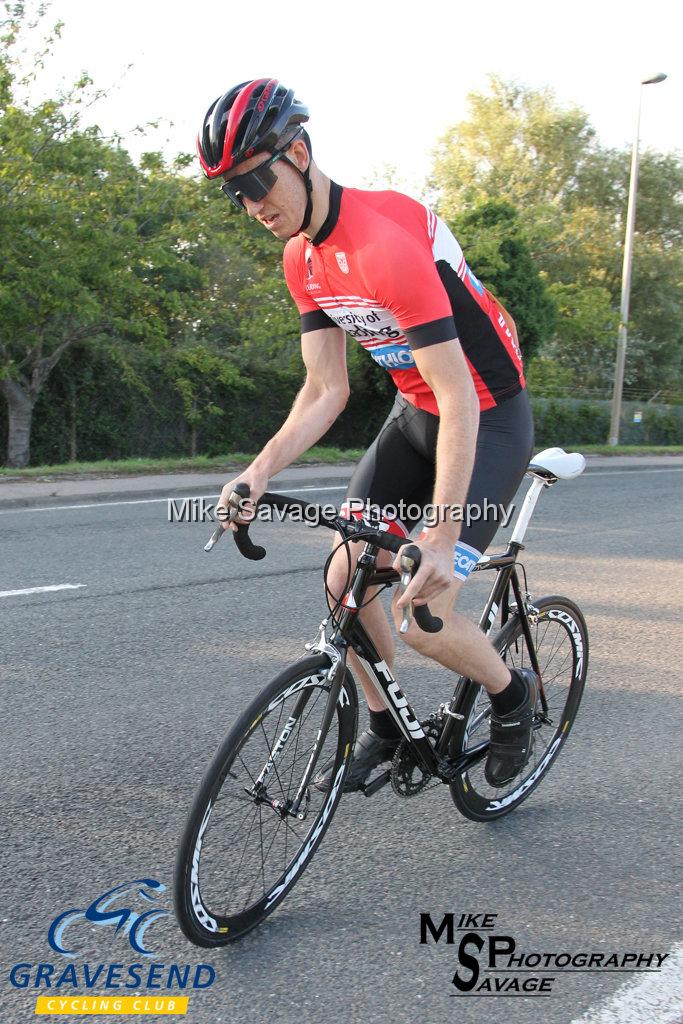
432,333
315,321
478,337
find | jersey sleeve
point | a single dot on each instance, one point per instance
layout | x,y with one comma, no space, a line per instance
407,283
313,318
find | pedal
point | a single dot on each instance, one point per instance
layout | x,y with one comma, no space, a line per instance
370,788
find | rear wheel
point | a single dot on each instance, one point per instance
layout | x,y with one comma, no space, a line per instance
560,638
241,852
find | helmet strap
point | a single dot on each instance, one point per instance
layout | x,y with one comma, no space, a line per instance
309,199
306,175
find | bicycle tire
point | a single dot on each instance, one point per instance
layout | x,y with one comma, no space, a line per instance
560,623
221,825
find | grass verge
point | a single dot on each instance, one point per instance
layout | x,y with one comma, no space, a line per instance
315,456
200,464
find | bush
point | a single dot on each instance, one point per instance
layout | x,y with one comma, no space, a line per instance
88,410
570,421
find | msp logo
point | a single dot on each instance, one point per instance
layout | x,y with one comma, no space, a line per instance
491,964
103,911
124,913
341,260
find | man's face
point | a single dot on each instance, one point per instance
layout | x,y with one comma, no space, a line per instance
282,209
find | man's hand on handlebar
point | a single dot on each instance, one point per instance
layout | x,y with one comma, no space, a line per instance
244,510
434,575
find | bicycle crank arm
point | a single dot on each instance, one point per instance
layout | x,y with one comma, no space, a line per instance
450,767
370,788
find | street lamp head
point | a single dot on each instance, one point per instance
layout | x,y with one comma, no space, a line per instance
653,79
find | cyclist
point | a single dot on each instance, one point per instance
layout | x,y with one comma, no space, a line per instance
382,267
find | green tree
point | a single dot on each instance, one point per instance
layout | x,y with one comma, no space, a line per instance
196,372
93,248
519,145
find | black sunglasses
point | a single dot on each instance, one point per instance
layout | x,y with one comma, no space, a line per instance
255,185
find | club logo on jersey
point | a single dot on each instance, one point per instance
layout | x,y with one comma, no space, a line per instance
341,260
309,263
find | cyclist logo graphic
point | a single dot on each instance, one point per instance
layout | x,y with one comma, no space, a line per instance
103,912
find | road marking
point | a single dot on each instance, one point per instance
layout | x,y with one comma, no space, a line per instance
614,472
651,1001
290,490
151,501
42,590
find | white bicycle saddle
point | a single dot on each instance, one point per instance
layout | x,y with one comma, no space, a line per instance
559,463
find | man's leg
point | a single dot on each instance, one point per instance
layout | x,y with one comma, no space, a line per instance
504,446
460,645
379,741
374,619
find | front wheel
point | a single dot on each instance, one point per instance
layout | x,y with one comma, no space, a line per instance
560,638
241,851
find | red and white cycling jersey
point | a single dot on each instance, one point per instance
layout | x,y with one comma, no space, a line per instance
391,274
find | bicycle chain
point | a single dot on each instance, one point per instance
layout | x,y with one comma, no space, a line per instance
404,766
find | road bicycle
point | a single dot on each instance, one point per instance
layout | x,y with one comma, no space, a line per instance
258,818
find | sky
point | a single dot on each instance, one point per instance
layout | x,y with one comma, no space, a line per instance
383,80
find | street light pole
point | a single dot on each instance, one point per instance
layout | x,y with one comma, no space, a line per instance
626,271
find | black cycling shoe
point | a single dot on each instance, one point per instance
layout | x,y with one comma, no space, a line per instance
512,735
370,751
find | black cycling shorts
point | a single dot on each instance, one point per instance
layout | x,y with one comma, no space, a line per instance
398,468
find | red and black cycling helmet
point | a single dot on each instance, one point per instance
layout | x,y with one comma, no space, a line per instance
248,119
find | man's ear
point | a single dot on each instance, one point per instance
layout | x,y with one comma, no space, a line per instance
298,154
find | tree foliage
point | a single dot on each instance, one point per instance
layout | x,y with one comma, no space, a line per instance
494,241
519,145
147,271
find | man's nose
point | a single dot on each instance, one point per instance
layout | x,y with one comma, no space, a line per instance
253,207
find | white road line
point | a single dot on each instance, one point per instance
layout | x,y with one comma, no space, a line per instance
632,472
650,1001
290,490
151,501
42,590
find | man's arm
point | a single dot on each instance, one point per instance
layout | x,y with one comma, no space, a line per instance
322,398
444,368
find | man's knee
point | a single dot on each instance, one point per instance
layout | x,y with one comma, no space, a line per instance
442,607
414,637
338,574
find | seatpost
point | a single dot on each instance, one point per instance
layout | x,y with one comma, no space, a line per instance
527,510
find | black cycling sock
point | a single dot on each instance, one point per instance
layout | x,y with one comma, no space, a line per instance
511,697
383,725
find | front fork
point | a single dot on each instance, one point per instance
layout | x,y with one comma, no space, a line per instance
335,676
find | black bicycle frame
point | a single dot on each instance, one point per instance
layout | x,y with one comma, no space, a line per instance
350,632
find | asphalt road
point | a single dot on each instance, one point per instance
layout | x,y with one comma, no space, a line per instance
116,694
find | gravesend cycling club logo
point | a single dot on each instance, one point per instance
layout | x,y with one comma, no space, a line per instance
103,911
125,915
490,963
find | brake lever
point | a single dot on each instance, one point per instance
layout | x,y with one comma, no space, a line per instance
410,563
407,567
234,506
215,537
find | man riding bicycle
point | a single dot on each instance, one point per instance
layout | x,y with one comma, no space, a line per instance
382,267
